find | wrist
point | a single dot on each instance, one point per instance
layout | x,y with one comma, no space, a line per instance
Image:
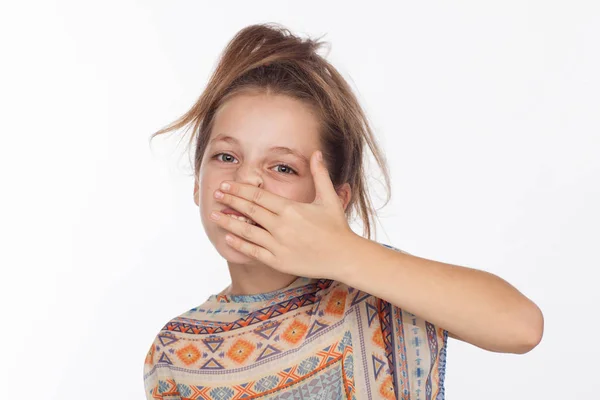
354,257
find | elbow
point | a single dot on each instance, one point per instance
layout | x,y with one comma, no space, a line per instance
534,331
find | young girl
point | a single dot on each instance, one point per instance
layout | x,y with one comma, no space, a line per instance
313,311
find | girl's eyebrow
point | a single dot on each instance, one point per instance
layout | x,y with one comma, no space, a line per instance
275,149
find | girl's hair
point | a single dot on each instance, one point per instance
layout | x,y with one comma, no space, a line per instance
268,58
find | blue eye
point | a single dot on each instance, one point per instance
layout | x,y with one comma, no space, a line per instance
287,167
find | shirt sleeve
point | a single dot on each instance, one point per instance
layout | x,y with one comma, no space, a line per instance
415,350
159,383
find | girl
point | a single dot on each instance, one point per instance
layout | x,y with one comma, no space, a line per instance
313,311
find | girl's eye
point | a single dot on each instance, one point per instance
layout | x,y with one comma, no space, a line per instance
225,154
289,169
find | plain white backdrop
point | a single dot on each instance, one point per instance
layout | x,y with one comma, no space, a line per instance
488,113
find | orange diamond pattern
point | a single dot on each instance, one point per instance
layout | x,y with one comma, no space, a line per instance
295,332
188,354
337,303
241,350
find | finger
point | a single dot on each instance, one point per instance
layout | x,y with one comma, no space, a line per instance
251,250
268,200
325,191
243,229
254,211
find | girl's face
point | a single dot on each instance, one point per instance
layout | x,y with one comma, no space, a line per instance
262,140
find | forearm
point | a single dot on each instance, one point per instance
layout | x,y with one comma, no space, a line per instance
477,306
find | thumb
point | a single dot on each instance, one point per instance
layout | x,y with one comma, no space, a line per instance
325,192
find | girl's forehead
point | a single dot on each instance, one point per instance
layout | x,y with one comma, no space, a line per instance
273,123
264,110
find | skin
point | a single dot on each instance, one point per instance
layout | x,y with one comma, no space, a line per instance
258,121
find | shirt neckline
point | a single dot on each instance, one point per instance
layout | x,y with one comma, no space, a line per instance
299,286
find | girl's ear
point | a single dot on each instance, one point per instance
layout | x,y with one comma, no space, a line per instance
196,194
344,193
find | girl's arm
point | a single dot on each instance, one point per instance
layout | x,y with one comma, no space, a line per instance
472,305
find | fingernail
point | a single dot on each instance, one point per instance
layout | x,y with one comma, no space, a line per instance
225,186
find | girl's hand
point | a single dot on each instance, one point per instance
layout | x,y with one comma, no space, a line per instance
305,239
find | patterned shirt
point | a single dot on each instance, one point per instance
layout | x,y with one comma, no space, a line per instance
314,339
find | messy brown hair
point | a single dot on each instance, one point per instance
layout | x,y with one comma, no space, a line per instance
268,58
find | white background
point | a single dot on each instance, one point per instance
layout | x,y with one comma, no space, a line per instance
488,113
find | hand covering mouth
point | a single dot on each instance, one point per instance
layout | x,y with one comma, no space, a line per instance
240,216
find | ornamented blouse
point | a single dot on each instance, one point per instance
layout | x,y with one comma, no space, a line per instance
314,339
